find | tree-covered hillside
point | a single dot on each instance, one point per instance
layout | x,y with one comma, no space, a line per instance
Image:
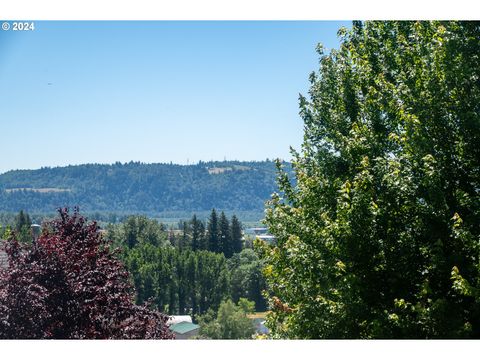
139,187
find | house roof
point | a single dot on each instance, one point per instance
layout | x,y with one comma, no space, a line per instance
183,327
175,319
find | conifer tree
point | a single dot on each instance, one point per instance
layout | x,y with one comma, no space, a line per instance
225,236
22,227
212,232
198,233
236,234
22,220
185,242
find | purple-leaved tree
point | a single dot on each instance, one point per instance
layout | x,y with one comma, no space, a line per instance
69,284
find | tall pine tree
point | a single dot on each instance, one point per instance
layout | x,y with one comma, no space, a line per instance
236,234
198,234
185,240
212,232
224,236
22,220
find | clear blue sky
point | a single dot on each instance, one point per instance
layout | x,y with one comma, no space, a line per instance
100,92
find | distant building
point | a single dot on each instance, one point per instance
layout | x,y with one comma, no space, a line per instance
259,233
175,319
260,327
258,320
35,230
182,326
256,231
184,330
268,238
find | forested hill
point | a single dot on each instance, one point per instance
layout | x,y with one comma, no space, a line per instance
139,187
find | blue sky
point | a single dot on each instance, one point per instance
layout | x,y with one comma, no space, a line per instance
100,92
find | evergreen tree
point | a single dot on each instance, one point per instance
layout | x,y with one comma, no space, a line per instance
131,232
22,220
198,234
22,227
138,229
185,242
236,234
224,236
172,239
212,232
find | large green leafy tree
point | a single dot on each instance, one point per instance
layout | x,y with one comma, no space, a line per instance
378,237
178,282
246,278
230,322
138,229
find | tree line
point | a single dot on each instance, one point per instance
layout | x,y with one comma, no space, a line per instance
170,276
188,270
137,187
219,235
193,270
19,223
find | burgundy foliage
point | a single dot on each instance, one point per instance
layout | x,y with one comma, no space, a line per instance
69,284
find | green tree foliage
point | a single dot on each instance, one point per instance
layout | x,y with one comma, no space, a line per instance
136,187
22,227
185,242
138,229
212,233
22,220
379,236
224,236
19,223
177,272
236,234
5,232
230,322
246,279
198,234
178,282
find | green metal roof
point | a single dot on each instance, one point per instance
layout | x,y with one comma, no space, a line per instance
183,327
